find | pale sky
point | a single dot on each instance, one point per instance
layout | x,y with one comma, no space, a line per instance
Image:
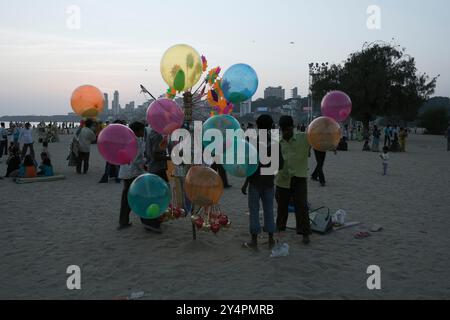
42,60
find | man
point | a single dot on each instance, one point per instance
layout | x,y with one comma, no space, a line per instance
86,138
128,173
318,174
3,140
26,138
387,136
291,180
157,158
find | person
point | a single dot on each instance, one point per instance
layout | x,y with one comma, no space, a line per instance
376,139
291,180
387,136
448,137
13,162
318,174
128,173
402,139
157,158
85,138
222,173
45,149
28,167
111,170
3,140
395,145
46,168
303,128
385,157
16,135
26,138
261,187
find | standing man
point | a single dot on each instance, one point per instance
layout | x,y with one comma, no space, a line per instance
26,138
318,174
387,136
3,140
291,180
86,138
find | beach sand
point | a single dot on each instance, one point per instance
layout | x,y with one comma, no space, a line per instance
47,227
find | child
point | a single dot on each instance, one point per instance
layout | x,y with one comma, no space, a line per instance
385,157
28,168
45,149
46,166
13,163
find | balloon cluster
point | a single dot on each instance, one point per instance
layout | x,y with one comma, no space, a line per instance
173,213
211,219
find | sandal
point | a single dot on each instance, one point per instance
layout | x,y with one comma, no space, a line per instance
362,235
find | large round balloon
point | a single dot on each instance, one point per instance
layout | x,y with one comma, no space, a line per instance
337,105
222,123
203,186
87,101
165,116
239,83
244,159
324,134
117,144
181,67
149,196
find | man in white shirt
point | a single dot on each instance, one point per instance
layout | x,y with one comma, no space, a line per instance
85,138
26,138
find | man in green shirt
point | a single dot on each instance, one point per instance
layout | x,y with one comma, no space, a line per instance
291,180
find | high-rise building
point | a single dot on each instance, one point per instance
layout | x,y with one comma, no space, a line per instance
246,107
277,92
106,103
115,104
294,93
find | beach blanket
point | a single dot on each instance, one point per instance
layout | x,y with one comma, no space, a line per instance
39,179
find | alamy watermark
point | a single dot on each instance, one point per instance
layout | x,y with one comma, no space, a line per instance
73,20
374,280
374,19
74,280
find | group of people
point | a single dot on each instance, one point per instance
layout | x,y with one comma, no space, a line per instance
21,161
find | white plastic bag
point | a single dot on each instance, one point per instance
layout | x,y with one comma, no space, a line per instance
280,250
339,217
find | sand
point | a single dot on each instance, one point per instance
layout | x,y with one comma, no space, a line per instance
47,227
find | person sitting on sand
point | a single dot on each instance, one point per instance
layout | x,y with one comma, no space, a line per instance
291,180
28,169
13,163
261,187
46,168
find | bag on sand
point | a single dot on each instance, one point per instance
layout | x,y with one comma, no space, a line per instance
321,220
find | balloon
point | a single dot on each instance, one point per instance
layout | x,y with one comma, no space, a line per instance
203,186
117,144
221,122
239,83
165,116
149,196
337,105
181,67
243,165
87,101
324,134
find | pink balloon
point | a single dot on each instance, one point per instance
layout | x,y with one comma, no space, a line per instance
337,105
117,144
165,116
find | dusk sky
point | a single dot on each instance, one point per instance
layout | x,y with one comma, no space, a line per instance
120,43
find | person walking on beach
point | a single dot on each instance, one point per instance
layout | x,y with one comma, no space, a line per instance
385,157
3,140
157,157
318,174
261,187
376,139
26,138
291,180
402,139
85,138
128,173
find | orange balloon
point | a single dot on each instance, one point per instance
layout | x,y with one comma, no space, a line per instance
87,101
324,134
203,186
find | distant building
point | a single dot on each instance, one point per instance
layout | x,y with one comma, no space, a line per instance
277,92
106,103
246,107
294,93
115,104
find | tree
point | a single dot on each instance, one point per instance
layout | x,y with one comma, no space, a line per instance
435,121
381,80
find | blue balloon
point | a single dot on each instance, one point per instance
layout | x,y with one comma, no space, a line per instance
149,196
239,83
243,164
221,123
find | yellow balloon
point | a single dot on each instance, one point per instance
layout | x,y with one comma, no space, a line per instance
181,67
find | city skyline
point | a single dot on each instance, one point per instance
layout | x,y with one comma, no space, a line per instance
42,60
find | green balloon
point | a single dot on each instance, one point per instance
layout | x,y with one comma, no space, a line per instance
180,81
153,211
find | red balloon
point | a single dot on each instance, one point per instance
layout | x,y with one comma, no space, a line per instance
118,144
337,105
